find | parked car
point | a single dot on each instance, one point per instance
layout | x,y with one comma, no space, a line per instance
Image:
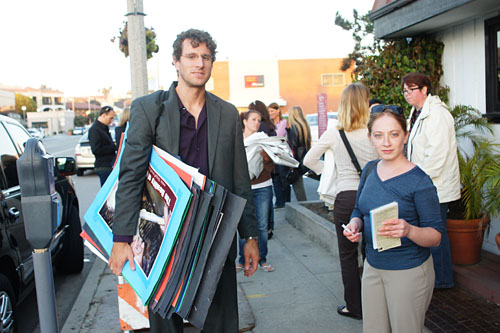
312,119
78,130
16,261
36,133
83,153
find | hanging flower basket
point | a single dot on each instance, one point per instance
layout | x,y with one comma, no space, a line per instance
151,46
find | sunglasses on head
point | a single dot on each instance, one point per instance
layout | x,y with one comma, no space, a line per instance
396,109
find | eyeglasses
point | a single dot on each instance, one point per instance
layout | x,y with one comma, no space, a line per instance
410,90
396,109
194,57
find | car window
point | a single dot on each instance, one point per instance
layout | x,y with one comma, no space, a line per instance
8,160
19,135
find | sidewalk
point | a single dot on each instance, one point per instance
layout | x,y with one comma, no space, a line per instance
301,295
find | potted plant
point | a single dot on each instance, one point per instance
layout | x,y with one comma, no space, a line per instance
479,176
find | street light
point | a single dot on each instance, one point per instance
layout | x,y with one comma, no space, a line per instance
24,112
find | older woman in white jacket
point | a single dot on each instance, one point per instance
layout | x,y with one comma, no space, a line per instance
432,146
341,175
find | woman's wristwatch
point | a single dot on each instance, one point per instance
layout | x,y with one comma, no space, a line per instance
251,237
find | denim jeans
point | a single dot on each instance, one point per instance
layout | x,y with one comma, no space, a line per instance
103,174
262,202
441,256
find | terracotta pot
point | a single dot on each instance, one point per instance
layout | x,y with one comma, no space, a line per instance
497,239
466,239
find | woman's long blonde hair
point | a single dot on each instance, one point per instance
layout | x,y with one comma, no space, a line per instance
353,110
125,116
296,118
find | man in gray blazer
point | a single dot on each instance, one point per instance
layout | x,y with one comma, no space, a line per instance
206,133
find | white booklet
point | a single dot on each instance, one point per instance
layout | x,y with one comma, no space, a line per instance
378,216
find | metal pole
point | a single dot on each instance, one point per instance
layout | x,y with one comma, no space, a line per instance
45,293
137,48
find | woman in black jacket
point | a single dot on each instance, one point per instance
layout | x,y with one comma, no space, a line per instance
299,139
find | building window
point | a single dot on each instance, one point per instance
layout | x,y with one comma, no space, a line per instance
332,79
34,99
58,101
47,100
492,31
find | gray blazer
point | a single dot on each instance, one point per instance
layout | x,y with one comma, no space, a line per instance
227,161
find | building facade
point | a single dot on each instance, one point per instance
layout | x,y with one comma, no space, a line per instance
286,82
470,31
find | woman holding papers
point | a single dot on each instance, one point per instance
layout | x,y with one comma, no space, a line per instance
262,189
343,178
398,277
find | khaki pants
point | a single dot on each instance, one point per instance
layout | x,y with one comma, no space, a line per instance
396,301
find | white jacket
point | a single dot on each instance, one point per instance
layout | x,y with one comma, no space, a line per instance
337,171
432,146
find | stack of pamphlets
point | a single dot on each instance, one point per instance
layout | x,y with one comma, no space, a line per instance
378,216
185,229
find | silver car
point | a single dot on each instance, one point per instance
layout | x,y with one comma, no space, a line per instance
83,153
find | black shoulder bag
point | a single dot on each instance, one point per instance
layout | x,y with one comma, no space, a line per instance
350,151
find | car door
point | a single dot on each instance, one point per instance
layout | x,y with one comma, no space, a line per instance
13,137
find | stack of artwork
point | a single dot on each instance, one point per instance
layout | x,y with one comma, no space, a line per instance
185,229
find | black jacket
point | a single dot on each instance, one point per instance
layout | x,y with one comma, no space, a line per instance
102,145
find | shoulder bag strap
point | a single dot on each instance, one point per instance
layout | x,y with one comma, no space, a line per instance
350,151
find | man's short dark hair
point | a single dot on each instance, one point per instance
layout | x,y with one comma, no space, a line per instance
197,37
105,109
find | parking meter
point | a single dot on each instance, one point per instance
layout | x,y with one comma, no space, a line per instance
35,169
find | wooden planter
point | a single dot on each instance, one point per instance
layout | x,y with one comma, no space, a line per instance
466,239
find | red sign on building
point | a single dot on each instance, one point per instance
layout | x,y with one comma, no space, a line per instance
254,81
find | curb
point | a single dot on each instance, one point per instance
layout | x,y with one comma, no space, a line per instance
315,227
79,311
245,314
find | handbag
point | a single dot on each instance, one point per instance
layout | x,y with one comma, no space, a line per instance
354,160
292,175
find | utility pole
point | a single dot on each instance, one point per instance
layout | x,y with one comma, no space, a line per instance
137,48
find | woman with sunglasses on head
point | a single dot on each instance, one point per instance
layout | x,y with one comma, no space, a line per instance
397,282
432,146
353,115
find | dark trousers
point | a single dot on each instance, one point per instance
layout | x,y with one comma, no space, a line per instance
103,174
223,313
441,256
279,191
348,252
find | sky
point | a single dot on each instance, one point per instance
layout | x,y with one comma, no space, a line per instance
66,44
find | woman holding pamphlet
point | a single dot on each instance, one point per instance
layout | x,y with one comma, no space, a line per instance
262,189
343,179
397,208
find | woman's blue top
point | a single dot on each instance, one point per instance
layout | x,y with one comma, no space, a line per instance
418,204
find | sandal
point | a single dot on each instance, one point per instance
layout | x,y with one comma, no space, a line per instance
266,267
239,268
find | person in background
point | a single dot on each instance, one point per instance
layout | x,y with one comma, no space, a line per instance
262,195
279,122
374,101
266,125
353,115
120,129
432,146
101,143
299,138
279,173
397,282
